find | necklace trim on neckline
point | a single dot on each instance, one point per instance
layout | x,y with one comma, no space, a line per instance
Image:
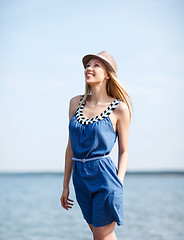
104,114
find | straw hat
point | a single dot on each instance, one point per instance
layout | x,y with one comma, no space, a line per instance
105,57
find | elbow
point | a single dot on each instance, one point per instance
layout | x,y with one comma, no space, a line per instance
123,153
69,151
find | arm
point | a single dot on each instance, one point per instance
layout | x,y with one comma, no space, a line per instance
123,122
65,201
68,165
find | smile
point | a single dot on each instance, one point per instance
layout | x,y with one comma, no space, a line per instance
90,75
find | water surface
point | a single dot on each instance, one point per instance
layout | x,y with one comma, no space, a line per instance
30,208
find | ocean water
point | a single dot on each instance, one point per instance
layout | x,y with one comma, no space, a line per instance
30,208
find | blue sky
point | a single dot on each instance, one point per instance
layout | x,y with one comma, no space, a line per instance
42,44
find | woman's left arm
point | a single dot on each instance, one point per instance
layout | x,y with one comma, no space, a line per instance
123,122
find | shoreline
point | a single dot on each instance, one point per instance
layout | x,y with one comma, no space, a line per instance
52,173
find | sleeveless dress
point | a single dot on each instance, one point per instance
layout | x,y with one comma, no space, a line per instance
98,189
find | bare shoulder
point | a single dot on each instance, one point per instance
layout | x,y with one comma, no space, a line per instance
122,112
122,107
74,102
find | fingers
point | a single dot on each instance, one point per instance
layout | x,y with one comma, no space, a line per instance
69,203
66,203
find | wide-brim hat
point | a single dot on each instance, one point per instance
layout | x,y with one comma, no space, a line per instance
105,57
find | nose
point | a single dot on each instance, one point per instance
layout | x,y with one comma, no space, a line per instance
88,68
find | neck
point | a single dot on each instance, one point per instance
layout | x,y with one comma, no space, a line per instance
99,94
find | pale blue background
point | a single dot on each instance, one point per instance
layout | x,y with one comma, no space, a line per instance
41,47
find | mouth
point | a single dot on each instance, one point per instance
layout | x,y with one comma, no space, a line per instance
90,74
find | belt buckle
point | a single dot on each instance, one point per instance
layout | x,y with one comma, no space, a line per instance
83,160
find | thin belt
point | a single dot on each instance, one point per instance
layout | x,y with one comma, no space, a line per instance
89,159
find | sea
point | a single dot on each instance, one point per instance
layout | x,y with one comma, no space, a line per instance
30,208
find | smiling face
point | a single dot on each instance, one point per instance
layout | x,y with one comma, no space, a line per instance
95,71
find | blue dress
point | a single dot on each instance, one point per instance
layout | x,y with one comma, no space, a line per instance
98,189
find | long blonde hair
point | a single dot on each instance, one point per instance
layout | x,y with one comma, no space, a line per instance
114,89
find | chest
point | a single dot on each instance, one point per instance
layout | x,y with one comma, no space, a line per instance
91,111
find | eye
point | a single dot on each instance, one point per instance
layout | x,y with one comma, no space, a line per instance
87,65
96,64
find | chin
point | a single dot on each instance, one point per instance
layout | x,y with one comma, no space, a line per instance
92,81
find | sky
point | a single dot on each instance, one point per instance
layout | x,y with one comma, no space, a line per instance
41,48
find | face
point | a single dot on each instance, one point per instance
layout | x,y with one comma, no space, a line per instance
95,71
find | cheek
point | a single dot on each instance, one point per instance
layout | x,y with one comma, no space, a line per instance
102,73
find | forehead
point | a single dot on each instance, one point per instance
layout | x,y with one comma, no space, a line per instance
92,60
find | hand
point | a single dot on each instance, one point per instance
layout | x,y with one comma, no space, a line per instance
121,179
66,203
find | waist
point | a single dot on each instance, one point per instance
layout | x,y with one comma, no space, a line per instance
89,159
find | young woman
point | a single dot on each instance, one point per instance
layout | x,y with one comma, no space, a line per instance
96,119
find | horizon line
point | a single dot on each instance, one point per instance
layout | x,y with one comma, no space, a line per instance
62,172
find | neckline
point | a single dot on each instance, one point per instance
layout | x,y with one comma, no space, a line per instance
80,118
100,114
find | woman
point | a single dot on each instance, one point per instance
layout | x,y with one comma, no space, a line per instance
96,119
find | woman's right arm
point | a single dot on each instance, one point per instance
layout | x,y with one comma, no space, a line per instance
65,201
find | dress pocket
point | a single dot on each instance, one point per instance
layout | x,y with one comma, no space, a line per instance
115,172
119,180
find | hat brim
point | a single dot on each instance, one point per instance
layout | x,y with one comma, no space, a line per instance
88,57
